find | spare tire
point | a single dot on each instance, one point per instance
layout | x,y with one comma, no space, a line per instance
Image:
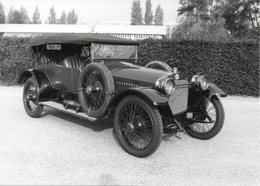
96,87
159,65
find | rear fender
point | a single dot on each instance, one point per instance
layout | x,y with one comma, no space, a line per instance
45,89
26,75
149,95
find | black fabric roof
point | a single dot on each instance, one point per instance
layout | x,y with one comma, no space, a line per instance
79,39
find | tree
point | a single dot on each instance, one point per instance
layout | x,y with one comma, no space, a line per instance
63,18
2,14
148,18
72,17
199,9
136,14
24,16
241,16
10,17
159,16
17,18
36,16
213,31
52,16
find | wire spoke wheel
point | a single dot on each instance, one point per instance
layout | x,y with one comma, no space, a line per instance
31,94
207,124
30,98
96,86
209,121
94,90
159,65
138,126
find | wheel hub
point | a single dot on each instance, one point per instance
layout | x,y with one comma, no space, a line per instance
32,94
130,127
89,90
96,87
139,123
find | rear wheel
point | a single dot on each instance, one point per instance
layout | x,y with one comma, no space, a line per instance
30,98
138,126
210,122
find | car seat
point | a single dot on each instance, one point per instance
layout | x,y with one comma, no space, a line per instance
74,62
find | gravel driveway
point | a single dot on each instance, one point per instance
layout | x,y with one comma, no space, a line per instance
62,149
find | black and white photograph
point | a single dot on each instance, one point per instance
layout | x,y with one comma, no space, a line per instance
130,92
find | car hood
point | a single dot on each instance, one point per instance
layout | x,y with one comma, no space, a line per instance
134,73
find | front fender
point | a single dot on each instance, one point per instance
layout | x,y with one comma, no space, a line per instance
150,95
196,96
214,90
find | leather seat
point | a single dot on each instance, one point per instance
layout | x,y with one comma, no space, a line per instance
45,60
74,63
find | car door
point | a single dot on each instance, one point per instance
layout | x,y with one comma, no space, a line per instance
52,71
66,77
58,75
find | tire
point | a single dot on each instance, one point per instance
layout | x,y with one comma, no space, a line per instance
96,87
144,121
218,123
30,98
159,65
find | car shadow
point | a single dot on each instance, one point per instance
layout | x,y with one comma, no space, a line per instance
172,137
97,126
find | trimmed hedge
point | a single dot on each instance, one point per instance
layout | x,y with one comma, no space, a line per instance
232,66
15,56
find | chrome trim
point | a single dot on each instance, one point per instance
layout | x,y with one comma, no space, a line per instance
197,81
161,82
173,86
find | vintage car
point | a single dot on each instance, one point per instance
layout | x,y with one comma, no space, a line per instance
96,77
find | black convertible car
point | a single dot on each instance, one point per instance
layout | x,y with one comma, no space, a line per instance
97,77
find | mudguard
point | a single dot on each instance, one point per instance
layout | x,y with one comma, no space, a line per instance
150,95
26,74
45,88
214,90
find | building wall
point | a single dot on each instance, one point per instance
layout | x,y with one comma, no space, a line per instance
123,31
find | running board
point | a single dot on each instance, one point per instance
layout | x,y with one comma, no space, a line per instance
61,108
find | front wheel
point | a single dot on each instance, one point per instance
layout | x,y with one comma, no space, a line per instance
30,98
138,126
207,124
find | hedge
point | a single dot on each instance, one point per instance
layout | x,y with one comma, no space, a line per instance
15,56
232,66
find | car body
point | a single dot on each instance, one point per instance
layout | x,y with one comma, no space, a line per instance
96,76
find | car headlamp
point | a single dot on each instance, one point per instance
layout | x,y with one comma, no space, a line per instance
200,81
165,85
168,86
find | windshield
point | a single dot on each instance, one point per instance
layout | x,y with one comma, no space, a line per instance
103,51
